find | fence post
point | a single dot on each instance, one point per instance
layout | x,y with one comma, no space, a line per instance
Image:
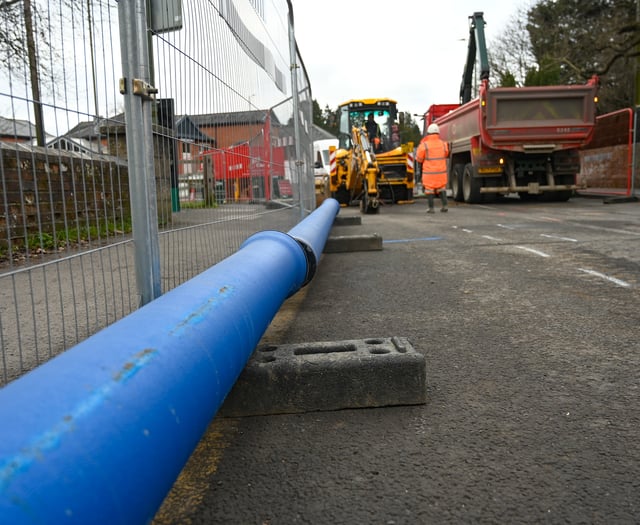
634,139
296,110
138,105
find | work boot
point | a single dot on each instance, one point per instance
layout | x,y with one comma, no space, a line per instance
430,203
443,197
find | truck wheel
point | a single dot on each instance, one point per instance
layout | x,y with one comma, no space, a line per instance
470,186
456,182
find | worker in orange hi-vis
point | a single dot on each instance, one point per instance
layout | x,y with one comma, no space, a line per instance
432,155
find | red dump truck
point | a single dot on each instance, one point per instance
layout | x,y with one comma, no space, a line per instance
514,140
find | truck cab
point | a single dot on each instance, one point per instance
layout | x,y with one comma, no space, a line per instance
355,113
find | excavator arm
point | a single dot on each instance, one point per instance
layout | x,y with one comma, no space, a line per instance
366,167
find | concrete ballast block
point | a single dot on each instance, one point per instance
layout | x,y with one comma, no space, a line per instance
309,377
353,243
351,220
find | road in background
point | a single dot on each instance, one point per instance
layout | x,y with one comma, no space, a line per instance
527,314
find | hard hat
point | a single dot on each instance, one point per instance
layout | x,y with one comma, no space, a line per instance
432,129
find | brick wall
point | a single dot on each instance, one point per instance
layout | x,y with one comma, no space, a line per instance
46,191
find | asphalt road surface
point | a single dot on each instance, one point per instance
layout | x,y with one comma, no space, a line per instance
528,315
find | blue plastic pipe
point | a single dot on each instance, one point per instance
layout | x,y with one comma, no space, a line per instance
312,235
100,433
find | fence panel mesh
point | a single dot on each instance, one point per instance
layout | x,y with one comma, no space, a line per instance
232,156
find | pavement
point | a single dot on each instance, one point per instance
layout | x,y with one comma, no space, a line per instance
526,315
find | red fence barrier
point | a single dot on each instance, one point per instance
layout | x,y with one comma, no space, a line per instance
247,171
607,163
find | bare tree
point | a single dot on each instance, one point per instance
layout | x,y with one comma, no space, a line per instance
510,55
22,34
33,36
12,46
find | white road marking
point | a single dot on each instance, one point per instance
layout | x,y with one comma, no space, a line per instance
537,252
619,282
612,230
558,237
609,278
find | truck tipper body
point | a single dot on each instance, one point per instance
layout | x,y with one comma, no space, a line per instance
523,140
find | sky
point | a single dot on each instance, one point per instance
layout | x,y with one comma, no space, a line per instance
412,51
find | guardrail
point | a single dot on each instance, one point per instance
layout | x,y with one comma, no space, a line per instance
100,433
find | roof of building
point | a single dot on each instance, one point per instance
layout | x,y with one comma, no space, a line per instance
233,118
84,130
187,129
317,133
17,128
93,129
67,143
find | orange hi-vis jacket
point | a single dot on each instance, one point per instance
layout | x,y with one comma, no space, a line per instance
432,154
